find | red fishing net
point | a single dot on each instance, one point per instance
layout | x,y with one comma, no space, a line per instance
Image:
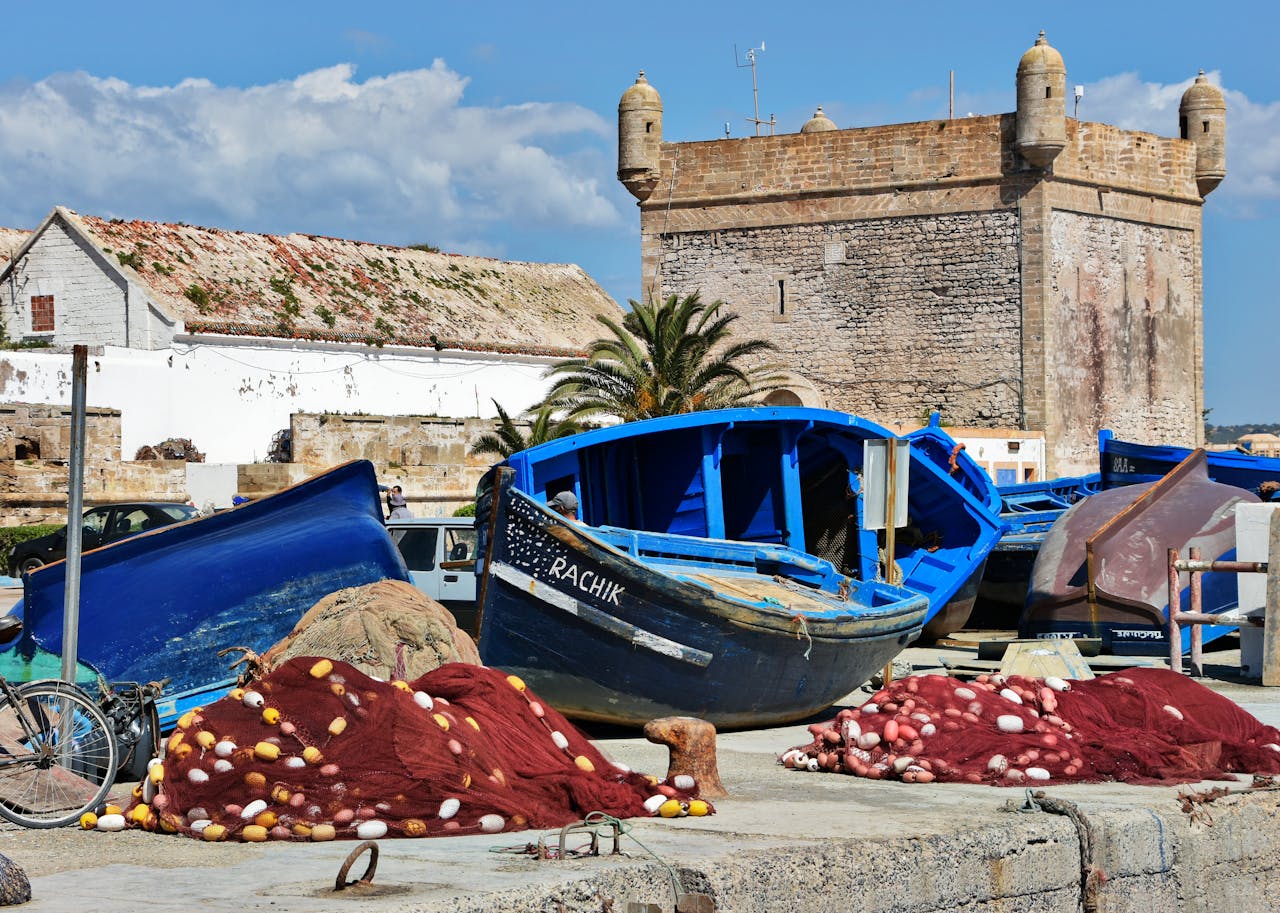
318,750
1137,726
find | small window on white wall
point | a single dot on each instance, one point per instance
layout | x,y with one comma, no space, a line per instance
42,314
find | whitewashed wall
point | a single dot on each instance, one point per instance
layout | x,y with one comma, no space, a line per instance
230,396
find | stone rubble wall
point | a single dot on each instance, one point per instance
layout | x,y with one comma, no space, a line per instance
427,455
889,317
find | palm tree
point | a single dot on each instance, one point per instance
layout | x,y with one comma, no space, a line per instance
509,438
663,358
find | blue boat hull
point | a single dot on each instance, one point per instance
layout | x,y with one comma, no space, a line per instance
1126,463
607,636
161,605
790,477
1028,510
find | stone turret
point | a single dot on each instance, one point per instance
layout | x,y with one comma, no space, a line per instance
1202,118
1042,104
819,123
639,138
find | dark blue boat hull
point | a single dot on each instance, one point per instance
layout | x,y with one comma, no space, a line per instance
1126,463
605,637
161,605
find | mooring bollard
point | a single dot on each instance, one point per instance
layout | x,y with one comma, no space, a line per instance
693,751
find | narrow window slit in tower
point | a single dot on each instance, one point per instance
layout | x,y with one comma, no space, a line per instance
782,297
1206,126
1048,91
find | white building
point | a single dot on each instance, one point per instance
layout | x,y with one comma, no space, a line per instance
219,336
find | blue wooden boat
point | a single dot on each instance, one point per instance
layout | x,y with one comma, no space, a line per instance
720,567
1127,463
162,604
944,451
1102,570
1028,510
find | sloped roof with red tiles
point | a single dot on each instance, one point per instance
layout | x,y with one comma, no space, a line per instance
314,287
10,240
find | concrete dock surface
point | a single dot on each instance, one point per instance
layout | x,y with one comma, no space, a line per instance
782,840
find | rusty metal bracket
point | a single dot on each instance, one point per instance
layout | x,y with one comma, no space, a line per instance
593,828
366,879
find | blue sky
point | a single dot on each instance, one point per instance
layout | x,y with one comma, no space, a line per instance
491,128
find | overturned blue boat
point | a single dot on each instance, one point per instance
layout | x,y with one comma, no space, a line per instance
162,604
1102,570
720,567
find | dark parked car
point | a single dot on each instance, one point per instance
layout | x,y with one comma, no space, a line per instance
102,526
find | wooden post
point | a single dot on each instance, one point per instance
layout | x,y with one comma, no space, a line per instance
1270,634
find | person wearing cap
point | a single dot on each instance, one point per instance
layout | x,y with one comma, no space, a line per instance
565,503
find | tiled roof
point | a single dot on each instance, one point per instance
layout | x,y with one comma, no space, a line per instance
10,240
309,286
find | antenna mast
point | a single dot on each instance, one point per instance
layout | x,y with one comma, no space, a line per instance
755,89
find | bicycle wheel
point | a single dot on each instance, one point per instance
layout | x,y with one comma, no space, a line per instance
58,755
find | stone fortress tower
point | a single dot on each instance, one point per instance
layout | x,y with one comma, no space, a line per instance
1022,270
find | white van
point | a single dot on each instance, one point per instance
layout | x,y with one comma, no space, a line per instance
441,555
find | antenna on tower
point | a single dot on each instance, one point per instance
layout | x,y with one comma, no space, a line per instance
755,89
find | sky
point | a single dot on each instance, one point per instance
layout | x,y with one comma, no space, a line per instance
491,129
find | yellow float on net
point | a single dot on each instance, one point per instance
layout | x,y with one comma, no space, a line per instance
698,808
271,716
321,668
670,809
516,682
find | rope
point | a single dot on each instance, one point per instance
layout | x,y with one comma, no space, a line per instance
804,629
599,818
1090,875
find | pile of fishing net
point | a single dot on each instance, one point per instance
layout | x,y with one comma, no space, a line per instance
388,629
317,750
1136,726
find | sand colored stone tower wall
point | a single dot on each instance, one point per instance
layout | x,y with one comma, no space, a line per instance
936,265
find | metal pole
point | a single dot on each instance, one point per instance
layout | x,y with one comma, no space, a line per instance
755,91
1197,632
1175,602
890,509
75,515
951,97
1270,637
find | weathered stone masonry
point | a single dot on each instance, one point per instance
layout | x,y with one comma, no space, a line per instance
1020,270
890,337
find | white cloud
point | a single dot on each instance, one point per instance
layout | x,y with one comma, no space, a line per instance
1253,130
393,158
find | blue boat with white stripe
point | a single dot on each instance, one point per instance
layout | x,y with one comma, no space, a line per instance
720,566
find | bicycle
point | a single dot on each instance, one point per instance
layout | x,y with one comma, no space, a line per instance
58,751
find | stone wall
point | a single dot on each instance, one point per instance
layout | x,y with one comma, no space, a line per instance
889,317
36,431
1121,334
429,456
909,267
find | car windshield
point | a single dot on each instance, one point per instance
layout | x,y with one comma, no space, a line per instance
178,511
